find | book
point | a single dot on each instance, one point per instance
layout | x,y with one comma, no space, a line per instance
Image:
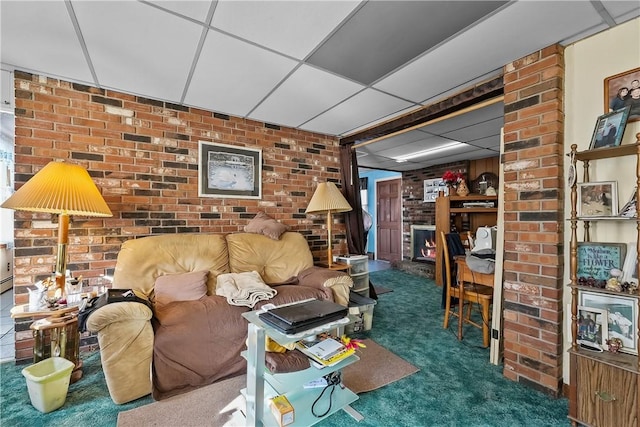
331,357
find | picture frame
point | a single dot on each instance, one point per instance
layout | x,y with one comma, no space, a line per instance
432,188
229,171
630,209
595,260
597,199
593,327
621,319
612,87
630,269
610,129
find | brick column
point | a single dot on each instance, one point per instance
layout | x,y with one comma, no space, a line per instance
534,219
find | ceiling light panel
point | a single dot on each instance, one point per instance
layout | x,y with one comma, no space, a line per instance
465,57
233,76
363,107
143,39
294,28
39,37
384,35
305,94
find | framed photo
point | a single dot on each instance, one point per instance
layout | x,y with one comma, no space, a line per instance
593,328
229,171
630,209
432,187
598,199
630,269
609,129
597,259
623,90
621,319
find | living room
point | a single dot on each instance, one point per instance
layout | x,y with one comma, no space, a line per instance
143,154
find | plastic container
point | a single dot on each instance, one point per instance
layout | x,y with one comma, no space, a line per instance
48,383
362,308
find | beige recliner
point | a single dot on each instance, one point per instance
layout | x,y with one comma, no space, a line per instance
188,344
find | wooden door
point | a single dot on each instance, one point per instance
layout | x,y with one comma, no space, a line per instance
389,219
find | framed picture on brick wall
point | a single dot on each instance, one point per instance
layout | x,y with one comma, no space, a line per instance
229,171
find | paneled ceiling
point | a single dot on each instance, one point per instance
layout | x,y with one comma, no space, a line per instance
333,67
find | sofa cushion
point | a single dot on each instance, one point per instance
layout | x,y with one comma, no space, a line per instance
180,287
275,260
264,224
141,261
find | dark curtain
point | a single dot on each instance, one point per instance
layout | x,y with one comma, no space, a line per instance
356,235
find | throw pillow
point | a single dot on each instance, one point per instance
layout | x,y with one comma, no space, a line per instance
180,287
264,224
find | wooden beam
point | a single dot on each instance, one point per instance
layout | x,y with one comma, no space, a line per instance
478,94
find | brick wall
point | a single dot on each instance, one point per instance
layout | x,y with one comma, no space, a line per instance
143,155
534,219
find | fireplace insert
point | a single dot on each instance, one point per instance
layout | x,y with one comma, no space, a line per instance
423,243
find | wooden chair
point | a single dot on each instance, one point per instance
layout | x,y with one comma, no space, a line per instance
472,294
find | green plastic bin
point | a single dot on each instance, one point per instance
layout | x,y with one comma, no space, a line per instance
48,382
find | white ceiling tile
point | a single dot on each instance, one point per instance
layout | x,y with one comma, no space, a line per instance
39,36
465,57
294,28
305,94
233,76
151,60
364,107
193,9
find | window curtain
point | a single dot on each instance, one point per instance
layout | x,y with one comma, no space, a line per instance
356,236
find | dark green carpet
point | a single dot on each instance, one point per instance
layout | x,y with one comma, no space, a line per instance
456,384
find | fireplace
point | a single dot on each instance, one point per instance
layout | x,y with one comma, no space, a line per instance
423,243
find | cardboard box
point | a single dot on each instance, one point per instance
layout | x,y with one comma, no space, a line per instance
282,410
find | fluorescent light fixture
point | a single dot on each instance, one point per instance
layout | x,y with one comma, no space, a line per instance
422,153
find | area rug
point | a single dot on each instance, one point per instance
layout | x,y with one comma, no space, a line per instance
216,404
381,290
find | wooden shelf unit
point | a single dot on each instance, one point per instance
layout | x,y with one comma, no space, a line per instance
604,386
449,209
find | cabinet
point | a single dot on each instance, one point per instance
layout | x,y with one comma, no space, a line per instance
262,385
603,385
462,214
359,272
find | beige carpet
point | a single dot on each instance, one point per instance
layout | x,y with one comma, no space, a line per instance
216,404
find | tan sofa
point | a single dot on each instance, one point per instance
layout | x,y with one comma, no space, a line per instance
196,342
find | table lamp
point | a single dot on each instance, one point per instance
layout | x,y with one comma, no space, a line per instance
327,198
64,189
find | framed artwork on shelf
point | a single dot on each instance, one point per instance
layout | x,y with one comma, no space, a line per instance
609,129
621,317
595,260
630,269
630,209
593,328
228,171
597,199
622,90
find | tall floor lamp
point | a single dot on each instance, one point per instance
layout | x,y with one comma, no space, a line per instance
64,189
327,198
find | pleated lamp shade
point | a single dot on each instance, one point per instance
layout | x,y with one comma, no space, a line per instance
60,188
327,198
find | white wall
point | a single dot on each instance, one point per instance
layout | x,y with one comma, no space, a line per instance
587,63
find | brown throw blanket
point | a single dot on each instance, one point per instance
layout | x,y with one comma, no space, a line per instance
196,343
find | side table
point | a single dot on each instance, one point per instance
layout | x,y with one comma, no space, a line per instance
336,266
262,385
55,333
